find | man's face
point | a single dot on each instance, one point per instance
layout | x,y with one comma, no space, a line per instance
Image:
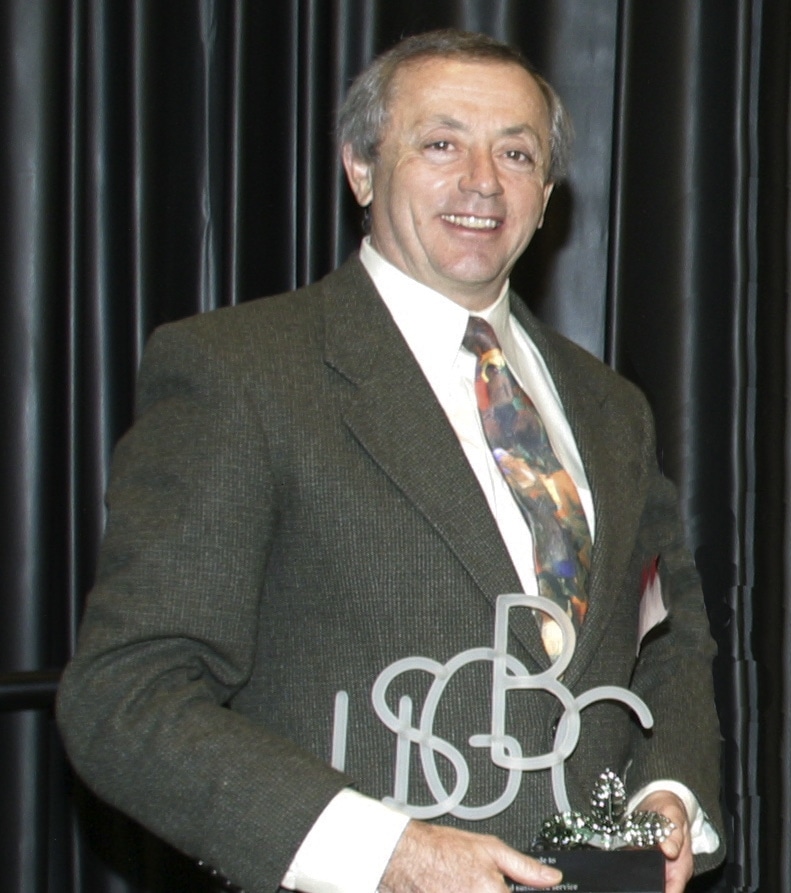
459,185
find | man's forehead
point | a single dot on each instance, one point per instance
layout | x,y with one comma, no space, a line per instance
450,66
436,88
434,75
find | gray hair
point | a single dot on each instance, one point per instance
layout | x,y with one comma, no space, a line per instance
363,115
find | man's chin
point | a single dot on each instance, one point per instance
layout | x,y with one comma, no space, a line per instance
479,283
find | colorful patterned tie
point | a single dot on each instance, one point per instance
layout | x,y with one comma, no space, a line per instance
543,489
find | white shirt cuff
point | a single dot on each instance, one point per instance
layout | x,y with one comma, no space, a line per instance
703,835
348,847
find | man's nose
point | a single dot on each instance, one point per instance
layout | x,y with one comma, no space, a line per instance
481,174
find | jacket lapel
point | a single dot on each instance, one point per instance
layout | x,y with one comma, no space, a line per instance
614,470
392,411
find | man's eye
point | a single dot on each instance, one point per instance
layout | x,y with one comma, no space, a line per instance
519,155
439,145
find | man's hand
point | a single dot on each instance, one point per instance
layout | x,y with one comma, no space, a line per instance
678,847
435,859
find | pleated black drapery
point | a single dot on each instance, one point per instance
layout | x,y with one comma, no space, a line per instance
164,158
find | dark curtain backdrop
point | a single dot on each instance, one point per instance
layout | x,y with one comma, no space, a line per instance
163,157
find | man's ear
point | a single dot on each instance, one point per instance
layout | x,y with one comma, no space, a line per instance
548,187
360,175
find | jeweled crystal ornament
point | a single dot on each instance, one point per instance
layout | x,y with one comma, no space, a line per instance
606,827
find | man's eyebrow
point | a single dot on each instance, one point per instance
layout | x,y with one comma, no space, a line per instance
454,124
519,129
445,121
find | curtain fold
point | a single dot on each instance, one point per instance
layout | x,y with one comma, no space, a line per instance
161,159
767,611
679,305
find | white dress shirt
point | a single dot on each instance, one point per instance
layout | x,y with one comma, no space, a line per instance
351,842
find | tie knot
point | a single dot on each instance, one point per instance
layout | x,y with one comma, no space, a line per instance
479,337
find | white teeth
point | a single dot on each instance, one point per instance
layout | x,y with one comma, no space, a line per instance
471,222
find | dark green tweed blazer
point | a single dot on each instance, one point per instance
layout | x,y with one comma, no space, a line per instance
290,514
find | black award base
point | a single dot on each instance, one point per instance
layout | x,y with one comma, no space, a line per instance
600,871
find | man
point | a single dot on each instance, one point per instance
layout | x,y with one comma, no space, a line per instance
307,524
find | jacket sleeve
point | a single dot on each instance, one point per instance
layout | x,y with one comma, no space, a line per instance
673,673
169,631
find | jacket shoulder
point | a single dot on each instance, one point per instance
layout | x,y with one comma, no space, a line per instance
567,360
278,316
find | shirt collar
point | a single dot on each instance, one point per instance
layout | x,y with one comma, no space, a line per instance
432,324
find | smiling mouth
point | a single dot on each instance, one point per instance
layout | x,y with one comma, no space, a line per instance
469,221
